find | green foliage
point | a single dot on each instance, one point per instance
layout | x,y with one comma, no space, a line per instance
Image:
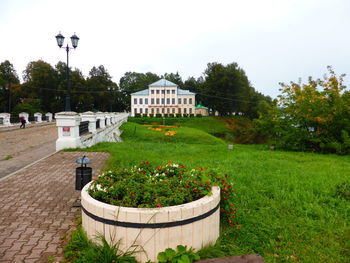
30,106
181,255
226,89
310,117
81,250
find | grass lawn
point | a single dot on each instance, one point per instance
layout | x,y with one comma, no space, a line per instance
287,206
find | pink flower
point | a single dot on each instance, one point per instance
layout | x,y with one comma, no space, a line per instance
159,205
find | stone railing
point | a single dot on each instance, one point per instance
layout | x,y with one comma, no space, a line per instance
7,120
71,134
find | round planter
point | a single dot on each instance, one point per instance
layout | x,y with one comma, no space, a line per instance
152,230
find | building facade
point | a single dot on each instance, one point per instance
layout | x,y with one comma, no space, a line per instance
162,97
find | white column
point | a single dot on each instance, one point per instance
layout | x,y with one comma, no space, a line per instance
38,115
108,118
101,117
49,116
68,130
25,115
5,119
91,118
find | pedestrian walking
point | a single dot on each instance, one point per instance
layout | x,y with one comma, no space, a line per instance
23,122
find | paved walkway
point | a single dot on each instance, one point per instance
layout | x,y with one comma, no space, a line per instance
36,207
20,147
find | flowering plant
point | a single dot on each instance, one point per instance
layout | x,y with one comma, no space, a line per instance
164,185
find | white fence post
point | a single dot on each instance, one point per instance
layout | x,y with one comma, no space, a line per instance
38,116
68,130
91,118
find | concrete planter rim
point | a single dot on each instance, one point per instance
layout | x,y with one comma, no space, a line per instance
86,196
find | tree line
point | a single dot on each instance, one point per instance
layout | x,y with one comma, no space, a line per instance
222,88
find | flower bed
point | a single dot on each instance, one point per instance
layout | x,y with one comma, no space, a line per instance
156,208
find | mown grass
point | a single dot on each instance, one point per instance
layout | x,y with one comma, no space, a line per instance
287,206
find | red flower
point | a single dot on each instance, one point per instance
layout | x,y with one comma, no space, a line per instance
195,190
159,205
147,163
200,169
222,210
225,198
182,166
187,186
131,194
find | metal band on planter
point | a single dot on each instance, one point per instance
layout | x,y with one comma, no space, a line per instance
151,225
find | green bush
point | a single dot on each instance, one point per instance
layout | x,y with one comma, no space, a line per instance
158,115
181,255
310,117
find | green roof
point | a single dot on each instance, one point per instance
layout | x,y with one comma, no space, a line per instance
201,107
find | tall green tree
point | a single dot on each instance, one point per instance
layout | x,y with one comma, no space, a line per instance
100,85
9,86
226,89
40,83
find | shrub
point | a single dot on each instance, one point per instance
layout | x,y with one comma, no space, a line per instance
158,115
310,117
181,255
166,185
137,115
199,115
178,115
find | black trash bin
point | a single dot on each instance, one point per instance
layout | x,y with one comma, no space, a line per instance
83,174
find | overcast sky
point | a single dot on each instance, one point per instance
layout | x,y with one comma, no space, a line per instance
272,40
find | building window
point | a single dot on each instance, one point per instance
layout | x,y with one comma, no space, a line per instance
135,101
140,101
140,110
157,91
152,111
157,101
135,111
168,101
162,110
152,101
179,101
163,91
173,110
179,110
190,110
173,101
163,101
168,91
146,110
152,91
185,110
190,101
146,101
185,101
157,110
173,91
168,110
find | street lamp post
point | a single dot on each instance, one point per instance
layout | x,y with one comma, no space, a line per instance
74,39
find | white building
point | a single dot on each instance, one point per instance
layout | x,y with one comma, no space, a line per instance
162,97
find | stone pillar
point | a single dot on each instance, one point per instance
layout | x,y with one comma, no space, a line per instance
101,117
67,123
38,116
108,118
25,115
91,118
112,117
48,116
5,119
